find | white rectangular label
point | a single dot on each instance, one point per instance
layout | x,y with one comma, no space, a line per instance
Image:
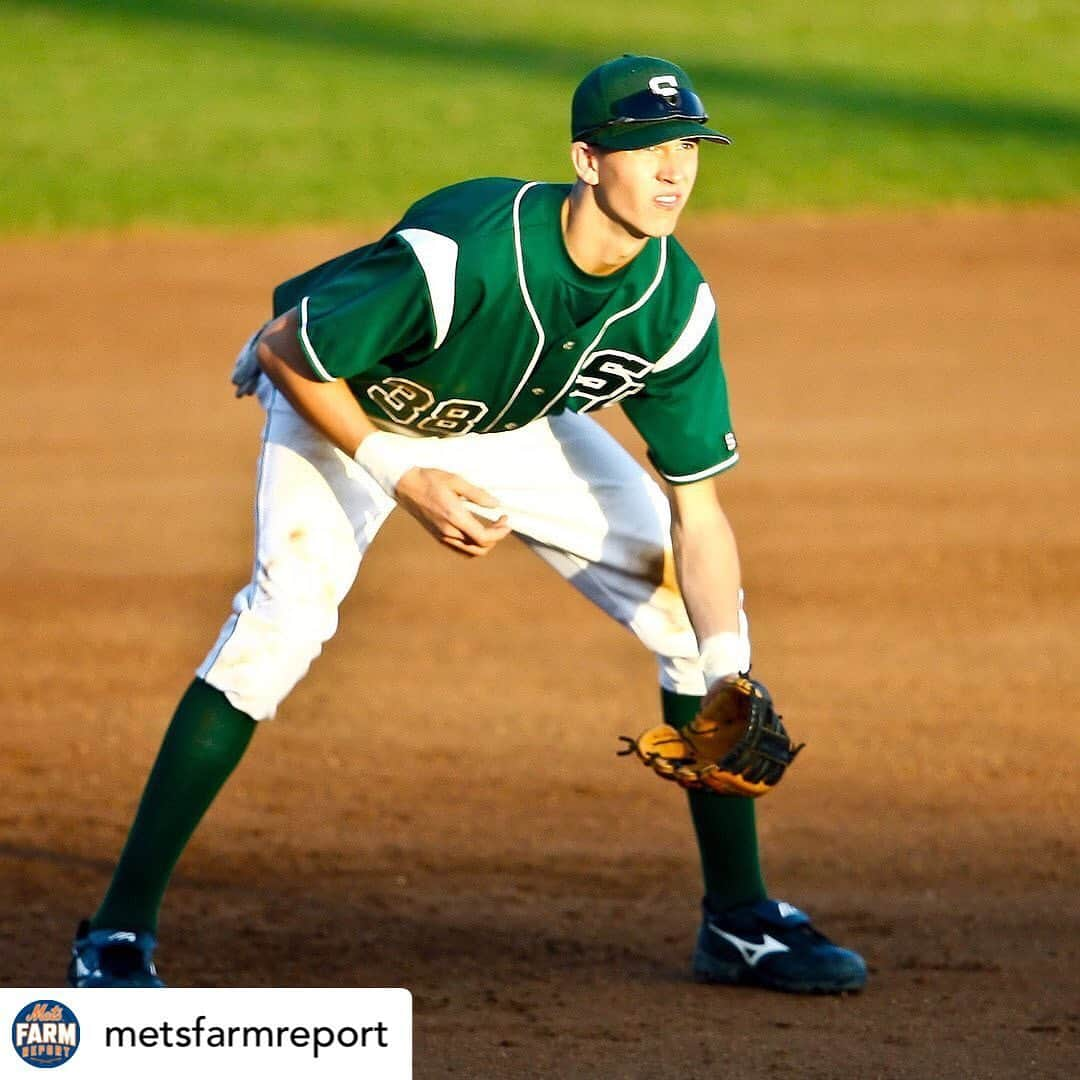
178,1033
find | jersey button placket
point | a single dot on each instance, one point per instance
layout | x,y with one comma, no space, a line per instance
558,364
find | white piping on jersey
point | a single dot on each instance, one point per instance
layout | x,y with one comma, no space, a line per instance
437,255
696,327
710,471
528,303
662,263
313,356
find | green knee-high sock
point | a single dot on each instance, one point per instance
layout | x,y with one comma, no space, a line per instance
204,743
726,829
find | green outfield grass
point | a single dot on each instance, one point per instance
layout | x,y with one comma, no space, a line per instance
252,112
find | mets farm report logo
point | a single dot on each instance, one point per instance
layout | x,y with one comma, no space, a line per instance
45,1034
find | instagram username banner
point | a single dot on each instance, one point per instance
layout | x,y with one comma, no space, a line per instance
198,1034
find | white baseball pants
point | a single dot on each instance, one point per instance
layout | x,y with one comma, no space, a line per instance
570,491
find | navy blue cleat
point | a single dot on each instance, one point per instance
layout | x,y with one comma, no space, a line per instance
112,958
772,944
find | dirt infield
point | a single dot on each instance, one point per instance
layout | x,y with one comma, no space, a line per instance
905,393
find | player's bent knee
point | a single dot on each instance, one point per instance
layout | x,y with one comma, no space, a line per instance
256,662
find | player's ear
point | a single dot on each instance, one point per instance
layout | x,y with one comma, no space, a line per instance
586,160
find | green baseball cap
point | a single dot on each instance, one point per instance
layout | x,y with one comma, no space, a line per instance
636,101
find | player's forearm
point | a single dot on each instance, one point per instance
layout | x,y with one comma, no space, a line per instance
330,407
707,564
437,499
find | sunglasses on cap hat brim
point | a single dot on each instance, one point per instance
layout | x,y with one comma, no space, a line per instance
647,107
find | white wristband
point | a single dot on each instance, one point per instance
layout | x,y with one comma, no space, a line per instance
388,458
724,654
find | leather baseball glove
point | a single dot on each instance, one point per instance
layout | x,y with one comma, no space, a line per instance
736,745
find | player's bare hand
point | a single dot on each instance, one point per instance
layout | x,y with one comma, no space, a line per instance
441,500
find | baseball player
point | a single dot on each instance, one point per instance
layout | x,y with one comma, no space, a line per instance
449,369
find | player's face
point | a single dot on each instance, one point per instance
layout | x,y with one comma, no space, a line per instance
645,190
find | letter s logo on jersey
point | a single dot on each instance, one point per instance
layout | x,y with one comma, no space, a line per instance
608,376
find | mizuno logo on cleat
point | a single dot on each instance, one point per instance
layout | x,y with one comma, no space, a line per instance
785,910
750,951
121,935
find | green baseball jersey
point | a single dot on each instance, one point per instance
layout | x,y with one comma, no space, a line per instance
470,316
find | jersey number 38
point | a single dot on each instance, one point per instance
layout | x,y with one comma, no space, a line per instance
411,405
